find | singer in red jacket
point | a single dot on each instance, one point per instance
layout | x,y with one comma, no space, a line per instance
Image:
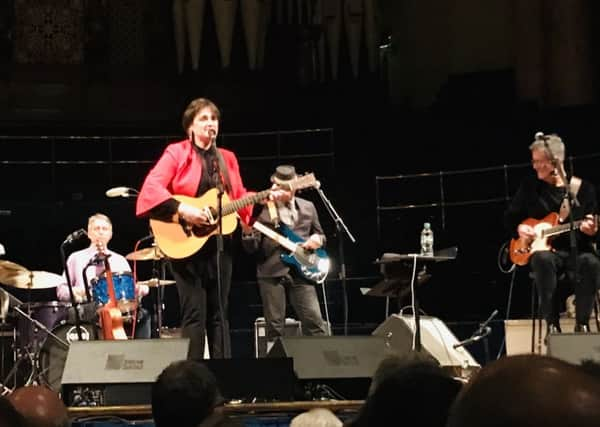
191,168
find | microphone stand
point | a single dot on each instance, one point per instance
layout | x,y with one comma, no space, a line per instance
88,295
71,293
339,225
482,332
571,203
217,179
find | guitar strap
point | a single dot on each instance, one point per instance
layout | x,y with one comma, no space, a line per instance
574,185
224,171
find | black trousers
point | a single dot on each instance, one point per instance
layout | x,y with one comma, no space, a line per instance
547,266
303,298
203,303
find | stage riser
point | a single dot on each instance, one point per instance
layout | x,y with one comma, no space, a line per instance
575,347
519,333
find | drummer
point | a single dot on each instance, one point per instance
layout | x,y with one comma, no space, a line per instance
99,232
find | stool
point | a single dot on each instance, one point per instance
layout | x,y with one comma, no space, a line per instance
536,315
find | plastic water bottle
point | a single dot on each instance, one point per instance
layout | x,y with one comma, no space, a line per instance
427,240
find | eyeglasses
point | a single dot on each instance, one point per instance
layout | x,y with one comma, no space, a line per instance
540,162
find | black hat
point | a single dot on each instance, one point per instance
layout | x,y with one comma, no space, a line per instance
283,174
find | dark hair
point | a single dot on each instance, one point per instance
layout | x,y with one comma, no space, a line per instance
194,107
40,406
528,390
184,394
413,385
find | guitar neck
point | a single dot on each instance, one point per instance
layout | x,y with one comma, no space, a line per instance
299,183
558,229
282,240
245,201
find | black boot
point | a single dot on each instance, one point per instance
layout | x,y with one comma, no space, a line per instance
583,328
552,328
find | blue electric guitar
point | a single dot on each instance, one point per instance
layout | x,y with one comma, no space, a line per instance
312,265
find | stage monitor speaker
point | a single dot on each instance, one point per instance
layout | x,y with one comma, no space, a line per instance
436,340
117,372
344,364
574,347
331,356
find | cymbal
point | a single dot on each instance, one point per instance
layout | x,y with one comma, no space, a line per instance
13,274
26,279
146,254
8,267
156,282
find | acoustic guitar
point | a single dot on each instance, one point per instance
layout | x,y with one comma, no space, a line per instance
181,239
520,250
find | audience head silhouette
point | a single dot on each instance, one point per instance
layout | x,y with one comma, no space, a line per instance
40,406
9,416
529,390
184,394
412,384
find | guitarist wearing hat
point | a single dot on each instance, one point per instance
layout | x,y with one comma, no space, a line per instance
539,220
276,279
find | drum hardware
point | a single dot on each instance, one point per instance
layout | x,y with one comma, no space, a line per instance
30,352
152,253
52,313
158,281
154,282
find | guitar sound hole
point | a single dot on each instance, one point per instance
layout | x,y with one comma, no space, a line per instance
203,230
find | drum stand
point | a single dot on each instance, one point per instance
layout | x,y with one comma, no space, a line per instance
30,352
160,275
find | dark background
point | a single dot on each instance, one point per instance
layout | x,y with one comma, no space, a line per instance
435,129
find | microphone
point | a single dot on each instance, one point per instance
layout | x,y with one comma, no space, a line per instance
121,192
213,140
74,236
484,333
484,325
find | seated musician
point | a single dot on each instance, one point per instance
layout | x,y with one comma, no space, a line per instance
88,261
543,200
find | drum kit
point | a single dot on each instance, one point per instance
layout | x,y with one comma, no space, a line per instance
40,332
32,322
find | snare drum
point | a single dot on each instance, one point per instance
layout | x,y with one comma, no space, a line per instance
49,314
124,291
53,353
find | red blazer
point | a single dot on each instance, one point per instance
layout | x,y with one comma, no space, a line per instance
178,172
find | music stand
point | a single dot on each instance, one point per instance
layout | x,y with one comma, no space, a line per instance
394,286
